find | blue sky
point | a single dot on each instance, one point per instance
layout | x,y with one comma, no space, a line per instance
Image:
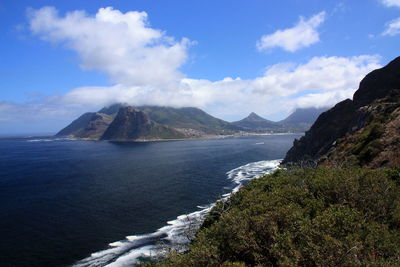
226,57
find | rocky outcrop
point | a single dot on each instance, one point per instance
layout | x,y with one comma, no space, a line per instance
134,125
95,127
357,130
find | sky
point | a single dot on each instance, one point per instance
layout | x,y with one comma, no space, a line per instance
59,59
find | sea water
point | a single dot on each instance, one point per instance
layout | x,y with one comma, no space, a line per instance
99,203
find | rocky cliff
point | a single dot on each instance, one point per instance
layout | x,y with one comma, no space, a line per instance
362,131
131,124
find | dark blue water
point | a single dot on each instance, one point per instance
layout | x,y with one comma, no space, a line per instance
62,200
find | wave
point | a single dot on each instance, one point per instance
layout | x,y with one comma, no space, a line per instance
177,233
49,139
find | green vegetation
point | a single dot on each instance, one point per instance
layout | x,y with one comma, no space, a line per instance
192,118
367,145
303,217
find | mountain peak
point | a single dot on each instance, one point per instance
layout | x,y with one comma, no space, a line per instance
378,84
254,117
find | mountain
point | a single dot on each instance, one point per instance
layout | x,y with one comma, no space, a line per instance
301,119
298,121
254,122
148,122
90,125
363,131
130,124
189,118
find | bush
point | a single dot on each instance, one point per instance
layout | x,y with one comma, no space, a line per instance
304,217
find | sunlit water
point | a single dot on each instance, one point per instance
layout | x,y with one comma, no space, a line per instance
90,203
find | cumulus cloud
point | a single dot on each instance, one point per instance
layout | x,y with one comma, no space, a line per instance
321,81
392,28
122,45
301,35
391,3
144,65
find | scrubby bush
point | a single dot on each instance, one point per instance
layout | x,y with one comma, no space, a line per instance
304,217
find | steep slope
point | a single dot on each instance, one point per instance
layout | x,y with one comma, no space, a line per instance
95,128
90,125
253,122
302,217
130,125
364,130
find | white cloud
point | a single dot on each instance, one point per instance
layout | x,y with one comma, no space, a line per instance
392,28
128,50
303,34
319,82
391,3
122,45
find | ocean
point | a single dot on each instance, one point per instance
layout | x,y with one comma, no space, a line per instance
100,203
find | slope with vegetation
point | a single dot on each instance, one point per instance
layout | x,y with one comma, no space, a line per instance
336,204
303,217
363,131
177,123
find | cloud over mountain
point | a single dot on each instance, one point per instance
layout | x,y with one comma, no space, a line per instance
144,64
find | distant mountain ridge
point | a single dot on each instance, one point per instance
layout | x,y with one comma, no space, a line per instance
298,121
121,122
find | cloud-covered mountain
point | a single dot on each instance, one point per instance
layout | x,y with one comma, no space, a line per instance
121,122
125,123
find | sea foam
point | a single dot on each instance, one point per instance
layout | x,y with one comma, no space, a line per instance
175,233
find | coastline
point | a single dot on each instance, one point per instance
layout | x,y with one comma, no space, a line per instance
204,137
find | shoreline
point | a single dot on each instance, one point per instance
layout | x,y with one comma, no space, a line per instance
205,137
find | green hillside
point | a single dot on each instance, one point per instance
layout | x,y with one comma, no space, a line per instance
303,217
188,118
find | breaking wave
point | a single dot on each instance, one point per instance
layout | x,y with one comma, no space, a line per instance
176,233
48,139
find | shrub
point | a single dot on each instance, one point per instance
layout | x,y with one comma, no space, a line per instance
304,217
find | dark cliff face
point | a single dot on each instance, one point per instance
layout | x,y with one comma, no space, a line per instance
127,125
95,128
329,126
374,102
131,124
378,84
